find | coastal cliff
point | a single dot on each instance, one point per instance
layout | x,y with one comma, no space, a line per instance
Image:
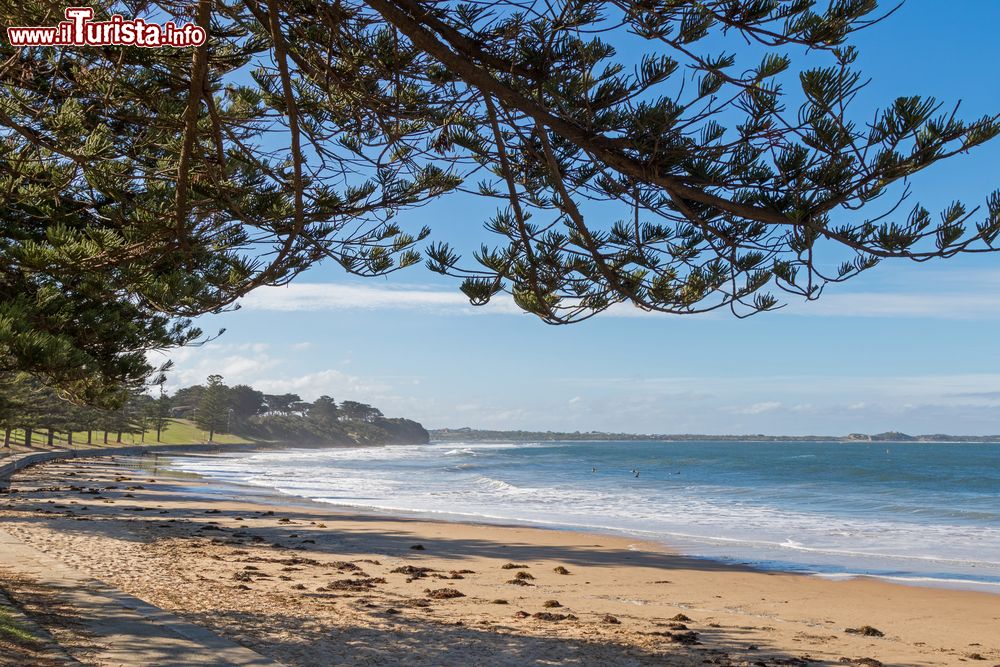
380,431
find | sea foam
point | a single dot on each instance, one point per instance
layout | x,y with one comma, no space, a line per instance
927,513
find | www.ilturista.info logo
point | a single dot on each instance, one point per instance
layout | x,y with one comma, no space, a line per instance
79,30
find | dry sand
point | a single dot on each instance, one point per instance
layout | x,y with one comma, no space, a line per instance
307,585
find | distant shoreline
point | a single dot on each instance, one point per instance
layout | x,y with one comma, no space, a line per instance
892,437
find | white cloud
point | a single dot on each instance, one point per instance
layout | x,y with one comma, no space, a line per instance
338,296
236,363
949,306
335,296
331,382
253,364
760,408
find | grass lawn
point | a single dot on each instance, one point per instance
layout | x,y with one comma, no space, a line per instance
177,432
10,631
184,431
19,645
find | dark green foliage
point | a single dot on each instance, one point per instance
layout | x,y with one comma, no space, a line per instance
143,187
324,410
213,410
295,429
157,412
28,405
245,402
289,418
137,191
185,400
355,411
281,403
394,431
758,177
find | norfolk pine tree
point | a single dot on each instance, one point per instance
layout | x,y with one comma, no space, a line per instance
632,159
158,412
213,410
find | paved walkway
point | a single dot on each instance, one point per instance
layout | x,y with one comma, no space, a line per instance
130,632
10,463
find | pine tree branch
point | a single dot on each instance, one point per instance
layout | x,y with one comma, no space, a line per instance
199,69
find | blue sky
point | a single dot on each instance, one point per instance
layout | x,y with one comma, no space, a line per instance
902,347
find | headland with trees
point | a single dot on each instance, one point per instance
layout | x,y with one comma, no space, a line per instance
34,415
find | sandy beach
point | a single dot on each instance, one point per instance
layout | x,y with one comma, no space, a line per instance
305,584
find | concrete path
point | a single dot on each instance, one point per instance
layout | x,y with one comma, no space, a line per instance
129,632
12,463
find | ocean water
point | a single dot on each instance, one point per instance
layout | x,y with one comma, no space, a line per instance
915,513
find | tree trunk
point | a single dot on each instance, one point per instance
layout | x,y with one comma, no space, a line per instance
69,439
27,437
90,436
6,437
159,427
119,438
211,434
51,437
105,437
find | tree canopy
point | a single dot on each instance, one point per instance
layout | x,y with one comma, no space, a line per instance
324,409
29,408
245,401
281,402
359,411
213,412
680,156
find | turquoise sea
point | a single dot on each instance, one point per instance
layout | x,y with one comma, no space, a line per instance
917,513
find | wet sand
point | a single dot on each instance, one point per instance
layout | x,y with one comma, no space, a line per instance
305,584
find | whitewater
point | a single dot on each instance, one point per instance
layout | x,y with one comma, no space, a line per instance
920,513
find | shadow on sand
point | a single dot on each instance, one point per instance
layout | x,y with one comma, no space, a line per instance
409,640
